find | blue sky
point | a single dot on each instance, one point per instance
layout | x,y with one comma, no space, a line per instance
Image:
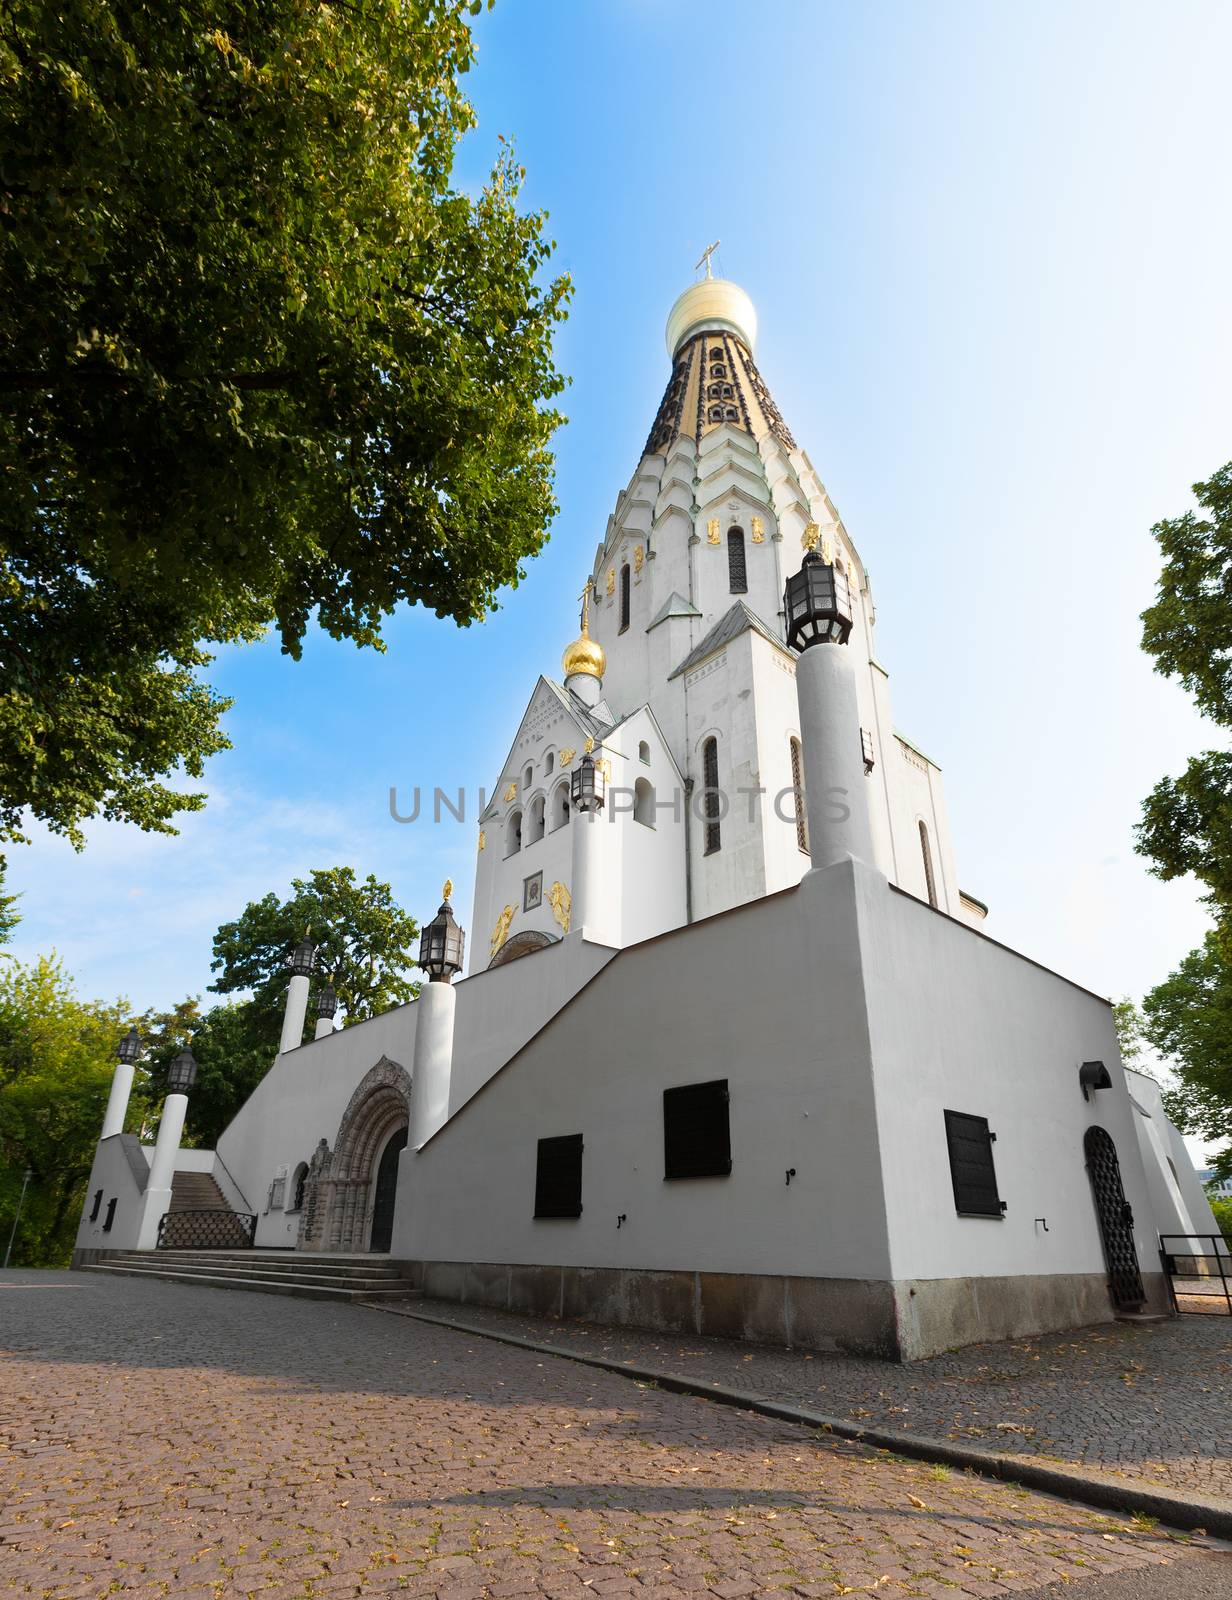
988,246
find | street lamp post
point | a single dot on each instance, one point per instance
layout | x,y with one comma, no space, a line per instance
21,1200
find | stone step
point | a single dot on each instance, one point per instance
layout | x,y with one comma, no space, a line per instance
253,1260
301,1288
354,1279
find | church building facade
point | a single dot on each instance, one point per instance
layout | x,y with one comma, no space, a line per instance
733,1054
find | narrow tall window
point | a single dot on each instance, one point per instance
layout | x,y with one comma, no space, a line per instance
797,784
535,819
560,805
930,882
624,597
737,573
644,802
513,833
971,1165
710,783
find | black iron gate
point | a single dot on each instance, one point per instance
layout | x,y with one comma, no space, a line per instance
1198,1267
1116,1220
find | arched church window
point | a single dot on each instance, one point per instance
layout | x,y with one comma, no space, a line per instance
513,833
732,414
534,820
716,354
929,881
643,752
710,796
625,578
716,413
715,392
528,777
549,761
737,572
727,391
560,805
644,802
298,1183
797,784
718,372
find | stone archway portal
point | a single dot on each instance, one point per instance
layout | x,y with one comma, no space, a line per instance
345,1185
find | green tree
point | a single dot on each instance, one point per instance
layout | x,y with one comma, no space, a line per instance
1188,1019
1127,1020
258,361
9,914
234,1045
1187,821
365,945
57,1056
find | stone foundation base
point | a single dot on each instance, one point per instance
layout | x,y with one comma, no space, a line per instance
894,1321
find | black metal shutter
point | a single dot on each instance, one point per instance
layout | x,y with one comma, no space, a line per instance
737,573
558,1177
696,1131
971,1165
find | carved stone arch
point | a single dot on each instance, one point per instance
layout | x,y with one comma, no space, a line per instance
522,944
338,1196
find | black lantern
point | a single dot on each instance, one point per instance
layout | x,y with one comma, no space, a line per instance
327,1002
130,1047
302,958
587,789
817,604
441,945
182,1073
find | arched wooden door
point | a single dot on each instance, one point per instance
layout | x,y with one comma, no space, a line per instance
385,1193
1116,1220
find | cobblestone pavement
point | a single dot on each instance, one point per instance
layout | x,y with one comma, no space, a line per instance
1146,1400
160,1440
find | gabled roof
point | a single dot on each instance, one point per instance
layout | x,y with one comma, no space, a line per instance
674,606
593,722
729,626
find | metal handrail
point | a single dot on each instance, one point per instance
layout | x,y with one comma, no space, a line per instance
1220,1254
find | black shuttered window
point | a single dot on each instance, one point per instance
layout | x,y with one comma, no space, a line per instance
558,1177
971,1165
696,1131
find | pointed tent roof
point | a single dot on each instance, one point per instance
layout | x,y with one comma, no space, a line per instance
674,606
739,619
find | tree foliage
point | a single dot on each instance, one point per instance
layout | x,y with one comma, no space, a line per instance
234,1044
1188,1019
258,360
365,945
57,1056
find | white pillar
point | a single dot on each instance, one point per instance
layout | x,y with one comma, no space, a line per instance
324,1025
431,1062
585,888
835,785
157,1198
293,1016
117,1100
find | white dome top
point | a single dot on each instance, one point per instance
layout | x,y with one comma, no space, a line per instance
712,303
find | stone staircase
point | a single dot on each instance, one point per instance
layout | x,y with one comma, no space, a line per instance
291,1272
196,1191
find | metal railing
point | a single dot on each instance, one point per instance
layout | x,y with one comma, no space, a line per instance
216,1229
1198,1269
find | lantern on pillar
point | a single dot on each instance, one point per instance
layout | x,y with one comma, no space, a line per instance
130,1047
326,1003
182,1073
442,943
587,789
817,604
302,959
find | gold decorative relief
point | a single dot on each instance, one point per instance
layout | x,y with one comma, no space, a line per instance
759,531
501,931
611,580
637,559
566,756
561,902
511,792
589,746
712,531
827,550
604,766
810,536
483,838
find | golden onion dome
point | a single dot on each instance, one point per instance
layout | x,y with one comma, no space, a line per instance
584,655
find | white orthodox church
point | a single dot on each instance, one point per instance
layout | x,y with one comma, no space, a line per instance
733,1054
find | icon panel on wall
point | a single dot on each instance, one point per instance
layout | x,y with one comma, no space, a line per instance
532,892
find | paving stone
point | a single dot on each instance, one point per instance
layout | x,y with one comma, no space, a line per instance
174,1441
